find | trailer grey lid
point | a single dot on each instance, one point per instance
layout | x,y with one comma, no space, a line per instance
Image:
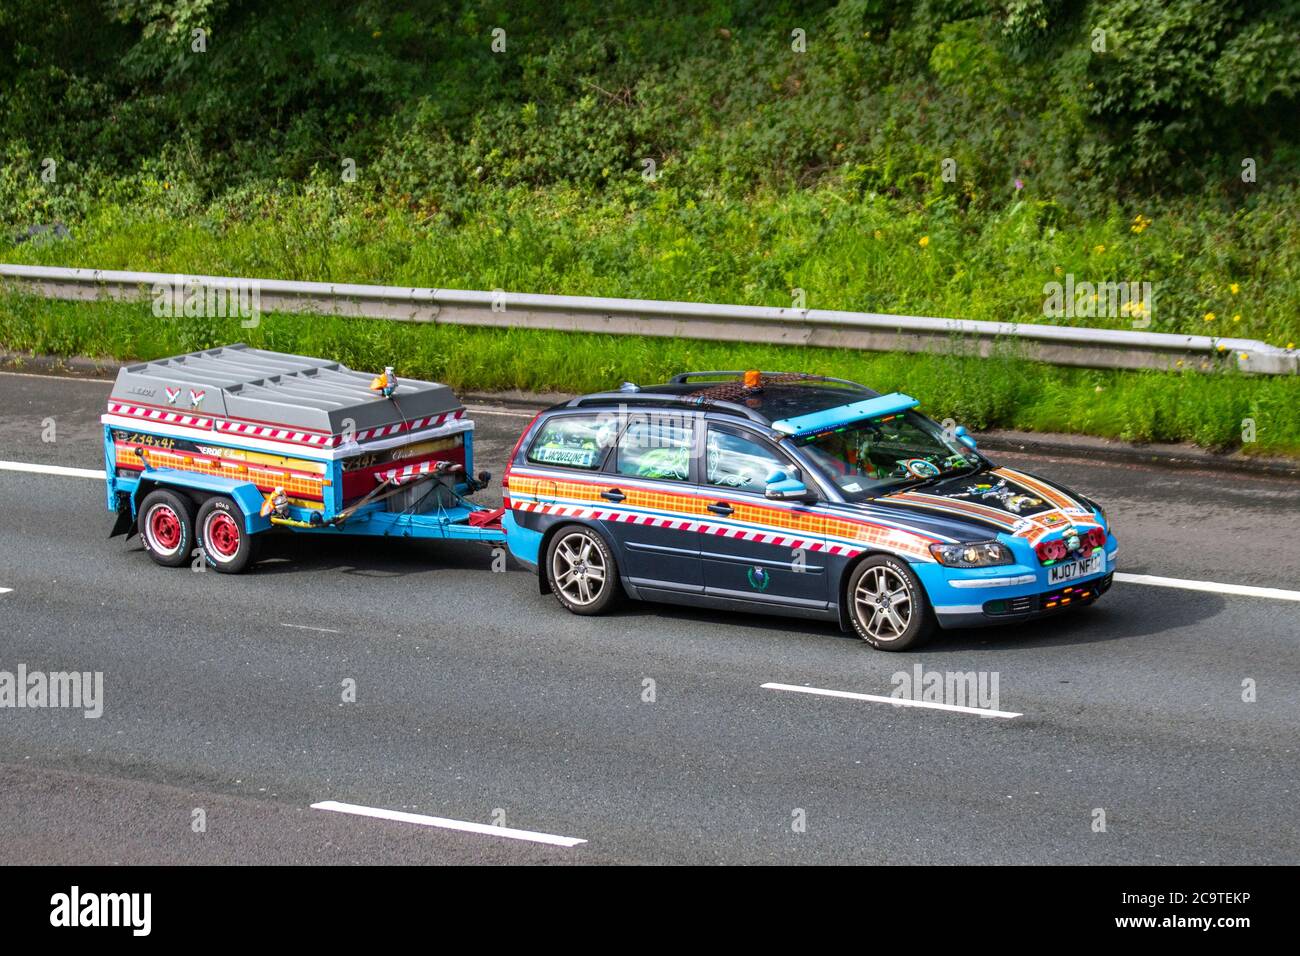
275,388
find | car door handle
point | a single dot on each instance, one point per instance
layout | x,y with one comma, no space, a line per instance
721,508
613,494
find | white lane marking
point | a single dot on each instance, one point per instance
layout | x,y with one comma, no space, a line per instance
52,470
62,378
421,820
489,410
896,701
308,627
5,590
1245,590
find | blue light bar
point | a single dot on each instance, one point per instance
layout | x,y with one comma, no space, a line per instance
829,419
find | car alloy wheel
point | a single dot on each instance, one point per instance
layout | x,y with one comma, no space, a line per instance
578,569
883,603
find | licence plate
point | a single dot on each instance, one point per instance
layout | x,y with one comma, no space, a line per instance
1095,563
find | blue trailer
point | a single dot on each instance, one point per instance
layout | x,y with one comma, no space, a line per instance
204,453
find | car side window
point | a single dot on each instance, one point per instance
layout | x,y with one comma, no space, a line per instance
732,461
656,447
574,441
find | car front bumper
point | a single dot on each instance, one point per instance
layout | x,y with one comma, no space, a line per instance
977,597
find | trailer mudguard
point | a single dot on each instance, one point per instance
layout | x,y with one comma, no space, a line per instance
244,493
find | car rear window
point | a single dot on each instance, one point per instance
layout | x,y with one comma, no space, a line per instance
656,447
573,441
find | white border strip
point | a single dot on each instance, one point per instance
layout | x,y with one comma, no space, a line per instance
51,470
1245,590
421,820
896,701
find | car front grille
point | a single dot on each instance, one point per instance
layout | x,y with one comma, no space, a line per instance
1057,599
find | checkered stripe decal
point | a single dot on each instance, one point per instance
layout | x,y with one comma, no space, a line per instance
312,439
414,424
159,415
400,476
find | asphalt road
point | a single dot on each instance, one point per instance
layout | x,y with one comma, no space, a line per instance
477,699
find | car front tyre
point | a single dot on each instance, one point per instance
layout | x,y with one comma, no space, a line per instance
887,605
581,571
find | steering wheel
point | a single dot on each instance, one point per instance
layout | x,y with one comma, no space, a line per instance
919,468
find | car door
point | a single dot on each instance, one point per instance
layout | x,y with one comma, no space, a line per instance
760,550
651,491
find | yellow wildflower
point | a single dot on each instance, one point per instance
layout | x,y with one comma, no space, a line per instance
923,241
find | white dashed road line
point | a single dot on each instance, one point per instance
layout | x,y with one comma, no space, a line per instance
308,627
1245,590
1241,590
896,701
5,590
421,820
52,470
503,412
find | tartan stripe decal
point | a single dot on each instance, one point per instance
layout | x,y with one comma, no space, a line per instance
814,531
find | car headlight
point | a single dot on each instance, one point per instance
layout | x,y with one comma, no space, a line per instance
981,554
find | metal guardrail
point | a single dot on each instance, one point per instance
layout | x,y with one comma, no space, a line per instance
1054,344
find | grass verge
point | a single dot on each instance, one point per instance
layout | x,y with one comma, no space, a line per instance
1214,411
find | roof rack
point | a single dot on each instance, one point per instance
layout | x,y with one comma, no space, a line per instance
687,402
277,390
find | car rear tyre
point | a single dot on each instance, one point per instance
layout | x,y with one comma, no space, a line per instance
225,544
887,605
166,523
581,571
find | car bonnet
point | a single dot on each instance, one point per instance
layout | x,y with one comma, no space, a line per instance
996,500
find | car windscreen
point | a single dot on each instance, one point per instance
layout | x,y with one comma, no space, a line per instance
875,456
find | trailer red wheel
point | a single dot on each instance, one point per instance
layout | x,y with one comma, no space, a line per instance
165,528
166,523
220,528
223,535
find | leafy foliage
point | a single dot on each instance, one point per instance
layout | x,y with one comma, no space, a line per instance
715,94
942,157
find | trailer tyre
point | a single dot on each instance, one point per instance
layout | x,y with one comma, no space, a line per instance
581,571
166,523
225,544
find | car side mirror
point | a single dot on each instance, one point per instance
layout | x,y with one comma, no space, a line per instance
964,437
781,487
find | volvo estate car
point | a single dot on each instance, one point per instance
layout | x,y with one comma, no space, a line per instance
794,494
